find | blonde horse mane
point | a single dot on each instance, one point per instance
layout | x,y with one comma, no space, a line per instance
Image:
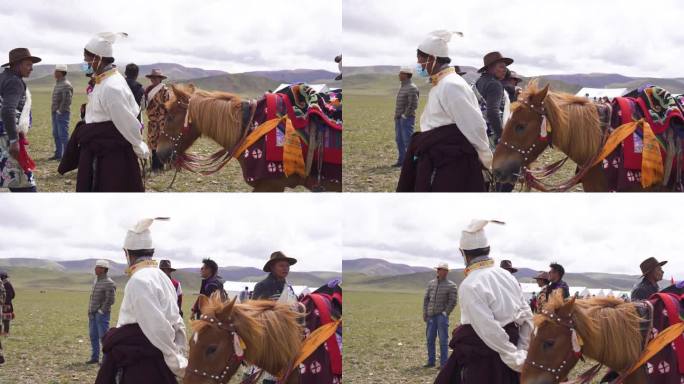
576,128
217,115
270,330
608,327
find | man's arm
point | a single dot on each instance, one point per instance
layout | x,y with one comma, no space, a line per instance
67,95
110,295
452,300
494,96
259,293
491,333
11,96
412,103
126,121
426,300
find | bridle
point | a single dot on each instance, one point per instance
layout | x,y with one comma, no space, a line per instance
185,130
233,362
543,138
576,350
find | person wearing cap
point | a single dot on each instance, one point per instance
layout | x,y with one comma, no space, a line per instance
150,335
451,150
15,109
542,279
439,301
7,306
651,273
165,266
112,133
510,84
405,112
211,282
61,110
492,91
275,286
155,96
556,273
99,309
490,345
244,295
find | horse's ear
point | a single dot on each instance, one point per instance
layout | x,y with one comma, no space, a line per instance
202,302
541,95
226,311
567,308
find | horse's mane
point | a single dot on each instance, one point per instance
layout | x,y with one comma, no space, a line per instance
608,326
576,128
270,330
217,115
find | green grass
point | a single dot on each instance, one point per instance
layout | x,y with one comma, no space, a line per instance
48,180
370,148
384,338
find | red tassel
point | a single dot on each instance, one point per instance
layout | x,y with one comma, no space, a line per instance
25,160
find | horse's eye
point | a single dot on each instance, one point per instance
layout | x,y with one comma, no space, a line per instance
210,350
519,128
548,344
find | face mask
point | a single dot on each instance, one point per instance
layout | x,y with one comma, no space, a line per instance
422,72
87,68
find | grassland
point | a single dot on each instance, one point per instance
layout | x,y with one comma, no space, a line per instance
384,338
48,180
369,146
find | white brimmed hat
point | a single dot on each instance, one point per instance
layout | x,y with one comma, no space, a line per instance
442,266
61,67
473,237
405,69
437,43
101,44
102,263
140,237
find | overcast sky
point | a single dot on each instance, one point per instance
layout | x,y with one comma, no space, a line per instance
233,229
211,34
542,36
584,232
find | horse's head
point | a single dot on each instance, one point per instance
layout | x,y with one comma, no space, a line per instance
176,137
522,140
215,351
551,354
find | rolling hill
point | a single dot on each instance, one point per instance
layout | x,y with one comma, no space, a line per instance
357,279
78,274
378,267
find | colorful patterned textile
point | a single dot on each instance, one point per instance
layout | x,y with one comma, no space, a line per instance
324,366
663,368
156,115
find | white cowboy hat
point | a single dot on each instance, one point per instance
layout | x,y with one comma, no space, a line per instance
102,263
442,266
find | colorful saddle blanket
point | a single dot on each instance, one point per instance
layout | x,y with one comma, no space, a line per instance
667,366
661,111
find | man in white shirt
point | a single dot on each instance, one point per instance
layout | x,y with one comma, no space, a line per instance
452,149
106,150
149,321
490,345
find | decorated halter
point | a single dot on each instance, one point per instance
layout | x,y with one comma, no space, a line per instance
176,140
543,133
235,359
574,338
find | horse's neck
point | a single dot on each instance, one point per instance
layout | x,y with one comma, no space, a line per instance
597,350
220,134
570,135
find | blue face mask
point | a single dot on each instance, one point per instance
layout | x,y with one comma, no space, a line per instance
87,68
422,72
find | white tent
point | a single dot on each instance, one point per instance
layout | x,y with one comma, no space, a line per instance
233,288
317,87
602,92
529,289
580,291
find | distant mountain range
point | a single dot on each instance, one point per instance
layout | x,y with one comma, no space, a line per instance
248,83
78,274
377,274
363,79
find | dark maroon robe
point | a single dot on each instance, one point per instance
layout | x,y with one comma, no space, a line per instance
441,160
104,158
473,362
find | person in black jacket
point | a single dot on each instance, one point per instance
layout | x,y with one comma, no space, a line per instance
8,308
211,282
132,72
278,267
490,87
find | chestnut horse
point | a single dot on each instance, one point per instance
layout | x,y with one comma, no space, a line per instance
219,116
575,130
269,332
608,327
